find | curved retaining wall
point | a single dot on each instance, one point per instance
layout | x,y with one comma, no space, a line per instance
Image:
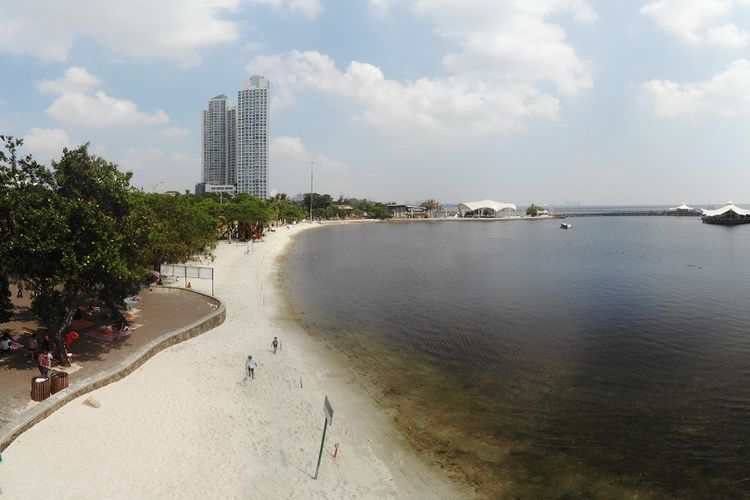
116,372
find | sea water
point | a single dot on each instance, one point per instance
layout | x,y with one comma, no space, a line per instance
604,361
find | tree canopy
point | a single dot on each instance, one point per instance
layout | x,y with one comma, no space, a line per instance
431,206
533,210
78,228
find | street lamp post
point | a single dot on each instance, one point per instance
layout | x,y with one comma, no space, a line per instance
154,186
312,164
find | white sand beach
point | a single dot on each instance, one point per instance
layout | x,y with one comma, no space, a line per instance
189,424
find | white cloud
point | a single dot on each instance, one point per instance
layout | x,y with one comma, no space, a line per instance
171,29
308,8
728,36
699,21
46,144
379,7
76,106
75,80
290,167
424,110
725,95
511,41
495,74
172,133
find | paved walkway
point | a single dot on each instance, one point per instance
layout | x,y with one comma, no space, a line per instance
159,311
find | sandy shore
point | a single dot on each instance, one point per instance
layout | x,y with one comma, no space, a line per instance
189,424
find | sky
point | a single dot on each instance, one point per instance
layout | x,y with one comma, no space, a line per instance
547,101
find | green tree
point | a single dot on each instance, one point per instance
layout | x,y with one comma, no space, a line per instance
180,228
283,210
75,233
320,203
23,188
6,306
533,210
431,206
249,213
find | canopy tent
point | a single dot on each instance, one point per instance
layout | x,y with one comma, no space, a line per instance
729,215
682,207
483,205
729,207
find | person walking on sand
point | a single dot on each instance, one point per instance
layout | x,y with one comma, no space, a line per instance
250,364
275,344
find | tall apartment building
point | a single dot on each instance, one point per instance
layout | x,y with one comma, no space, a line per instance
235,142
218,129
252,137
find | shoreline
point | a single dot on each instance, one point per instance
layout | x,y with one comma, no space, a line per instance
188,424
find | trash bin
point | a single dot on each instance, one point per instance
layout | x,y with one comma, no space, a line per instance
59,381
40,388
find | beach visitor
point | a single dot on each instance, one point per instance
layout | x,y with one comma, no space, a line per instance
71,337
33,346
19,294
47,343
5,343
44,363
275,344
250,366
189,285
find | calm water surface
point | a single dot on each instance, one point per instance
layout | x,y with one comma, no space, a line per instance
608,360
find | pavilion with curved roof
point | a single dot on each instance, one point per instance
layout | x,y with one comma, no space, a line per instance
728,215
682,208
483,208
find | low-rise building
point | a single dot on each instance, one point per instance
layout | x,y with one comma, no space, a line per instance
406,211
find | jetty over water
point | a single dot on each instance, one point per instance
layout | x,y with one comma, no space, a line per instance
632,213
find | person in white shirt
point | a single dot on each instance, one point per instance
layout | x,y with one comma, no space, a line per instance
250,364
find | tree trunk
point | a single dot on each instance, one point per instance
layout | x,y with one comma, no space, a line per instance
59,337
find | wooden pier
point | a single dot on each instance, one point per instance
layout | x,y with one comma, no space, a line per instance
631,213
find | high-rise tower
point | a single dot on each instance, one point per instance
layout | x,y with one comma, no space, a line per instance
252,137
218,130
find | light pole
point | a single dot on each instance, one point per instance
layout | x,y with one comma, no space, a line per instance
312,164
154,186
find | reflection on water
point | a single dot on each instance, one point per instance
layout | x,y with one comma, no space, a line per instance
605,361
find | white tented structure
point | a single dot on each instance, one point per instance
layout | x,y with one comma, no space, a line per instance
682,208
484,208
728,215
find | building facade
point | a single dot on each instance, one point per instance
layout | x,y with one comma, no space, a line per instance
218,128
235,141
252,137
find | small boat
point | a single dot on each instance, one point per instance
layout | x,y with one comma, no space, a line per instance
565,225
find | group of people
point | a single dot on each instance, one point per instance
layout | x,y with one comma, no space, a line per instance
43,355
19,292
8,344
251,365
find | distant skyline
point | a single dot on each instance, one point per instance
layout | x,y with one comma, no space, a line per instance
543,101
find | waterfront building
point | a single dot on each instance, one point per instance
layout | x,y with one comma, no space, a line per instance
684,210
252,137
728,215
485,208
219,127
406,211
203,187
